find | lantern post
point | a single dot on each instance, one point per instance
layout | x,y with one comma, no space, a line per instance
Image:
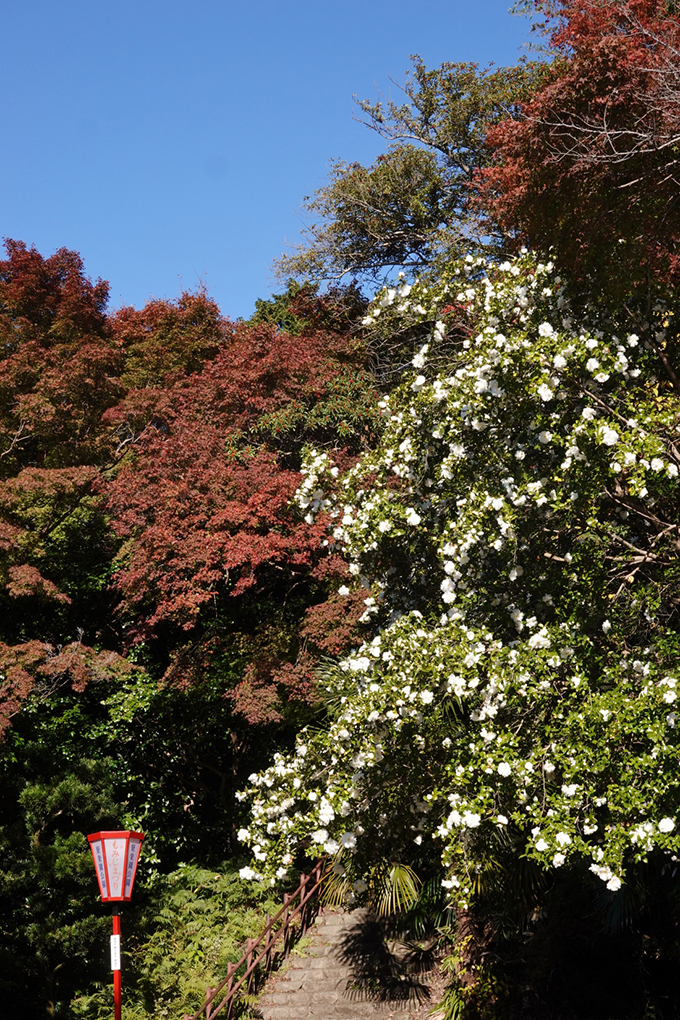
116,855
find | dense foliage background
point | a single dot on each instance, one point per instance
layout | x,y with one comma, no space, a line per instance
419,550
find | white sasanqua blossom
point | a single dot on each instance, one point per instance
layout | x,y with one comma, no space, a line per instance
498,535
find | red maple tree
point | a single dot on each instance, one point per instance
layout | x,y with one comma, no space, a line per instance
591,167
160,449
204,503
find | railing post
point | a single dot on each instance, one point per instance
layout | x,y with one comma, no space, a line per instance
268,943
286,900
318,871
230,997
249,960
303,903
209,992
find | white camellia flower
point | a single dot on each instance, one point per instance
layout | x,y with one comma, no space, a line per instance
461,472
540,639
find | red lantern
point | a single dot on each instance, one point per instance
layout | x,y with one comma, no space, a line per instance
116,855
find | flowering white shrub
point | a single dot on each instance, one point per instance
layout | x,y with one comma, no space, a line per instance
517,529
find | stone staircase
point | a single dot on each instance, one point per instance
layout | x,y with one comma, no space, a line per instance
343,971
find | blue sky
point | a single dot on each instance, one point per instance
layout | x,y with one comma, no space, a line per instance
172,142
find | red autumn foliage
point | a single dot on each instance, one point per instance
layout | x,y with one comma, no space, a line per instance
37,668
25,581
174,437
200,522
51,298
166,340
329,629
591,167
332,627
58,363
204,505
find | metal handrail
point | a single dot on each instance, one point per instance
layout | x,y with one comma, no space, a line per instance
308,886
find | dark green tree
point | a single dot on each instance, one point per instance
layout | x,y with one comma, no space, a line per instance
413,204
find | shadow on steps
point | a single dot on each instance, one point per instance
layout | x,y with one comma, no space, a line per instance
382,970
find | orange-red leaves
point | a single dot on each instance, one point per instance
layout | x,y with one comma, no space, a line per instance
590,169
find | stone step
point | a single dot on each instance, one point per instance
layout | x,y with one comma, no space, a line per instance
317,983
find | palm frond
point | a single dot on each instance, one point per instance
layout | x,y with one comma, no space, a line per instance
394,889
336,886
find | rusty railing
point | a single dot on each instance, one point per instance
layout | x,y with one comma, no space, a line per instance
263,947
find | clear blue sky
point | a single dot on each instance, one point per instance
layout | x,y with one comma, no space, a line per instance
172,142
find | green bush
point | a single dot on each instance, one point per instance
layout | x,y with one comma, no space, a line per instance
179,942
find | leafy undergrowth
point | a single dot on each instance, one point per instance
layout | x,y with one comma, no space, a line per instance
179,943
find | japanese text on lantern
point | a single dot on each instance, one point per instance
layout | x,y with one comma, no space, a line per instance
99,865
115,860
133,855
